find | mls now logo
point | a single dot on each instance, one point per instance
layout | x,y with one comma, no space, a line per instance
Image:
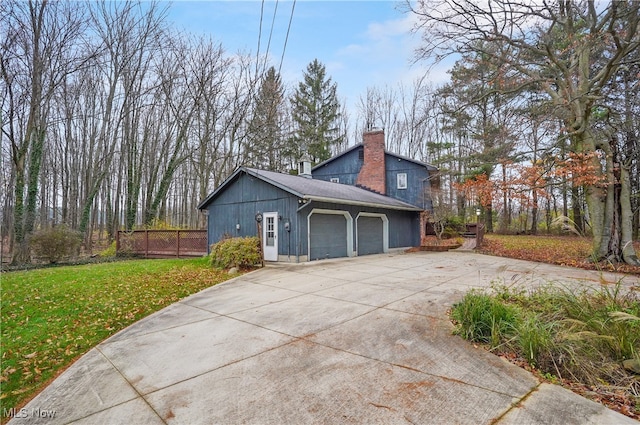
28,413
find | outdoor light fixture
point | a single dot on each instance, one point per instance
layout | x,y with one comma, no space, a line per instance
478,212
238,226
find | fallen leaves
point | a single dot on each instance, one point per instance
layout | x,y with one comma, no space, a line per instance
51,316
569,251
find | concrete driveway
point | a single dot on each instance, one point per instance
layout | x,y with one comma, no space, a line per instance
351,341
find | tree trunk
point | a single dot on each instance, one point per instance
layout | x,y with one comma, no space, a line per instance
626,219
548,215
504,221
534,213
488,218
576,207
610,207
20,250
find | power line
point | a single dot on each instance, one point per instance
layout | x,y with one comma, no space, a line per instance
287,37
273,20
259,36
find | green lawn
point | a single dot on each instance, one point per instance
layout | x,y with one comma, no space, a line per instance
52,316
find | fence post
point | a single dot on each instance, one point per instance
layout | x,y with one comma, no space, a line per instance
178,247
479,235
117,241
146,243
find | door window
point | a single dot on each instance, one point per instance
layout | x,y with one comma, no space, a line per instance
270,231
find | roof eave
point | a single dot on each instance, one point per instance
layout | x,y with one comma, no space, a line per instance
206,201
262,177
415,161
255,173
333,158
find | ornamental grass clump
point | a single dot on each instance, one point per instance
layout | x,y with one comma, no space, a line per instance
483,318
588,336
534,337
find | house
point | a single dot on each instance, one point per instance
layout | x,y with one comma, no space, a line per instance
370,166
302,218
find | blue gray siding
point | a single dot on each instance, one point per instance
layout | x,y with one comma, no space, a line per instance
418,189
240,203
347,166
245,196
404,226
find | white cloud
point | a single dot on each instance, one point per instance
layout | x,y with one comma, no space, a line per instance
334,66
391,28
387,39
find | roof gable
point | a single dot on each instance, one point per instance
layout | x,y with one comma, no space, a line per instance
386,152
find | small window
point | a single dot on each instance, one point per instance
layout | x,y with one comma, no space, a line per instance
402,180
335,180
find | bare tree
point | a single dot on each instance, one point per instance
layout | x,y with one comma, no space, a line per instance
42,47
122,33
568,50
416,105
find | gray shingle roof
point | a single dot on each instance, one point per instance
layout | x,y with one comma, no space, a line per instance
318,190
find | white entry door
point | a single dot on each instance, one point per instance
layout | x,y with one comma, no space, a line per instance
270,236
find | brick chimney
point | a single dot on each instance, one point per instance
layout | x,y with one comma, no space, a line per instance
372,175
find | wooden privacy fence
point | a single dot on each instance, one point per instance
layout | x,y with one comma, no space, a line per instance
162,243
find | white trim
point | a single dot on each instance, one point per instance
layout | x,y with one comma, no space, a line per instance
271,252
385,229
402,180
346,215
407,207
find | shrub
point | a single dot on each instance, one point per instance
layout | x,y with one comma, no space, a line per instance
455,222
56,243
236,252
447,227
109,251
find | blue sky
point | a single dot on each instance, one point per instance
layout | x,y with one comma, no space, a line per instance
361,43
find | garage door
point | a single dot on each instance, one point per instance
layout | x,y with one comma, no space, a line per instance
327,236
370,235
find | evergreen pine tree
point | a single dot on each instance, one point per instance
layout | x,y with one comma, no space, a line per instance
315,113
